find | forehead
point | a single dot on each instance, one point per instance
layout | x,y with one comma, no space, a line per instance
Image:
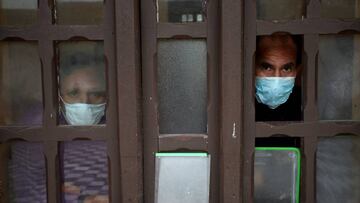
83,77
82,71
276,45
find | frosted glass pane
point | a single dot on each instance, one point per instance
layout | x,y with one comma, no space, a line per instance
182,86
18,12
342,9
338,169
181,11
22,172
182,179
280,9
20,84
82,83
276,174
84,168
79,12
339,76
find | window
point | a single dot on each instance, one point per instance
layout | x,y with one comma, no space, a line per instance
59,66
180,88
107,100
329,95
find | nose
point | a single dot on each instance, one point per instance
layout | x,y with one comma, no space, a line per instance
277,73
84,99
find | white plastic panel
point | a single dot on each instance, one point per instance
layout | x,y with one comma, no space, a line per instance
182,177
276,175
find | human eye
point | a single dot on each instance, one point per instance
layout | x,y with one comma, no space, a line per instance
97,95
288,67
266,66
73,93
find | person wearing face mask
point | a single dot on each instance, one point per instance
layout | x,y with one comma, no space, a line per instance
82,91
82,97
277,97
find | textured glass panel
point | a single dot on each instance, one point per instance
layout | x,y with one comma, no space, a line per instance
182,178
338,169
79,12
276,175
22,172
82,83
182,86
340,9
20,84
181,11
280,9
84,168
339,76
18,12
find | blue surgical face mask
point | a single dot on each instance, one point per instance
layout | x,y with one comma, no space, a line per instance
83,114
273,91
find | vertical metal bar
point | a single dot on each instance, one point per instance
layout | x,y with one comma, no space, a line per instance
128,83
311,42
313,9
112,134
248,140
231,129
53,181
150,123
307,191
213,95
46,51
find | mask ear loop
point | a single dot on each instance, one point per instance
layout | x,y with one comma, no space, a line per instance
62,107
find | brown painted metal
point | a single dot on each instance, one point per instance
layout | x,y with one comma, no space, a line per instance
231,37
307,26
150,123
129,99
50,134
248,117
310,128
231,103
153,142
181,142
192,30
213,46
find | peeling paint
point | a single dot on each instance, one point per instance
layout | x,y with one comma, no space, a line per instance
234,131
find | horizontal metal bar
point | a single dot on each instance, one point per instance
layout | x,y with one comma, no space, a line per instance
292,129
307,26
181,30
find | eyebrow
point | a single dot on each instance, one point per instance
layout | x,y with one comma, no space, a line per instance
289,64
265,64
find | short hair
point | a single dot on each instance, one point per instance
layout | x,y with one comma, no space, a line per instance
283,37
78,60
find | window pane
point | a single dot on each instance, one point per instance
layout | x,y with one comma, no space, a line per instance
181,11
280,9
84,167
20,84
18,12
276,175
82,83
182,86
338,169
339,76
79,12
340,8
23,172
182,177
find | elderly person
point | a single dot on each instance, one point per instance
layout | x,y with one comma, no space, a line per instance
82,90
